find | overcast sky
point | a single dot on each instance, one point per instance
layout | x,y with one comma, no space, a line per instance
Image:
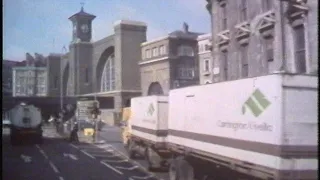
42,26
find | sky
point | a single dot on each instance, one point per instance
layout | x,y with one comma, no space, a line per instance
42,26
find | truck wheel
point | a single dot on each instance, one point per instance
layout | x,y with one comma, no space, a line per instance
180,169
131,152
150,160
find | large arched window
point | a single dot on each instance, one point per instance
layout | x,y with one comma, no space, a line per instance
155,89
108,75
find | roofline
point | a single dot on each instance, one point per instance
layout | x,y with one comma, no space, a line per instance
155,40
129,22
204,36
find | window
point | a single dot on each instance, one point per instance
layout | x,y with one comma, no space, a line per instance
300,51
87,75
269,51
55,82
266,5
108,75
244,61
148,53
162,50
155,52
207,47
185,72
243,10
185,51
224,58
224,20
206,65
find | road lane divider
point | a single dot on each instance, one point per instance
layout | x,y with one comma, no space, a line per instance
125,168
55,169
74,146
116,161
84,152
112,168
133,161
138,177
61,178
42,152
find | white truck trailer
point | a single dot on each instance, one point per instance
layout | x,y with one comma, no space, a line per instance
26,123
255,128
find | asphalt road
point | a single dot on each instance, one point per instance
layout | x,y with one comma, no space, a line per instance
56,159
112,136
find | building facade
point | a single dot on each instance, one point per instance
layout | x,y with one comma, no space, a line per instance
208,70
169,62
105,68
7,67
30,77
257,37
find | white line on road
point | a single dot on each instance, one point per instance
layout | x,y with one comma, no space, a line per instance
42,152
61,178
116,161
54,167
137,177
125,168
74,146
87,154
134,162
109,166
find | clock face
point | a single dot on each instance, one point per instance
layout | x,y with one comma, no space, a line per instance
75,28
85,28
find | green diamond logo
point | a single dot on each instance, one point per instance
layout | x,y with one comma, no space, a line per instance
150,110
257,103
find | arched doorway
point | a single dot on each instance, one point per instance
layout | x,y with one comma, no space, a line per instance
155,89
105,72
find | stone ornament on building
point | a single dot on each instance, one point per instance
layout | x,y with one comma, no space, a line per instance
266,24
243,32
297,9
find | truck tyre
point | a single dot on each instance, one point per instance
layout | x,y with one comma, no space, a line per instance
131,152
152,164
180,169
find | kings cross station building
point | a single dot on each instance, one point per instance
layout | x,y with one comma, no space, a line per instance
107,69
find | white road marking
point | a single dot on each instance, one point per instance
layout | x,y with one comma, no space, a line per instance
70,155
125,168
54,167
137,177
25,158
116,161
87,154
109,166
134,162
74,146
42,152
61,178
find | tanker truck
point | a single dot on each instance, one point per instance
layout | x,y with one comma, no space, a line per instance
26,124
254,128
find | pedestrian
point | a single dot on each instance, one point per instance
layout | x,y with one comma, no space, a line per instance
74,134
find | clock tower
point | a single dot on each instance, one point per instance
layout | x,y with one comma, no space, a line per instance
82,26
81,53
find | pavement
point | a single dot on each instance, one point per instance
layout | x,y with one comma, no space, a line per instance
58,159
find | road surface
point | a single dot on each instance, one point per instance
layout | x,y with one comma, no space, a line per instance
56,159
